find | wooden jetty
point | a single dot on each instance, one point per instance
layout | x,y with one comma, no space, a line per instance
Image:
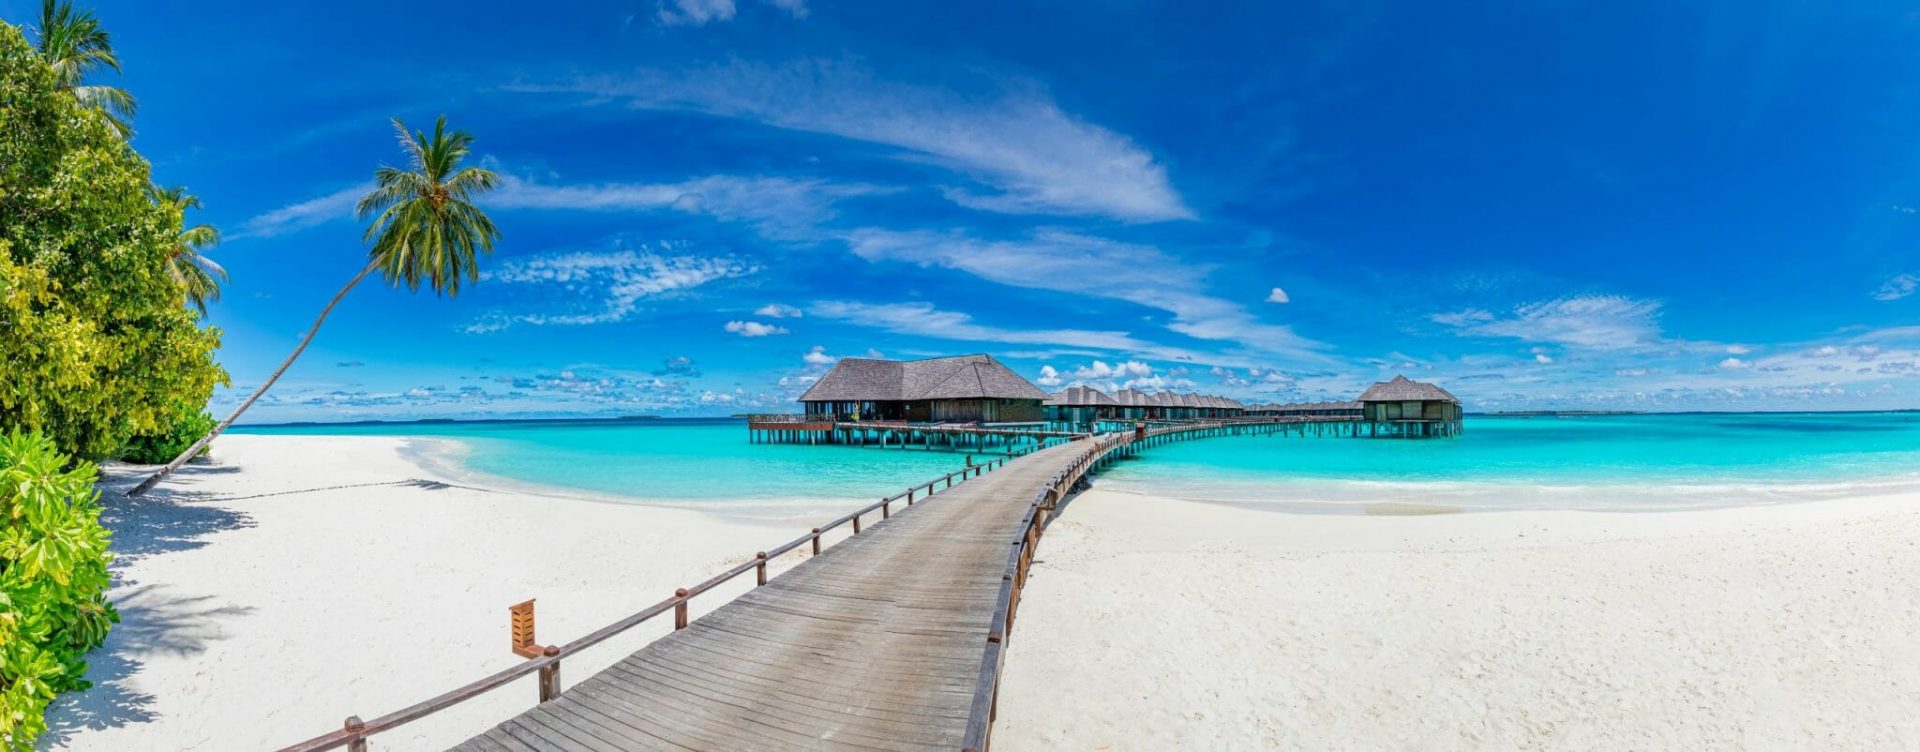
890,639
995,437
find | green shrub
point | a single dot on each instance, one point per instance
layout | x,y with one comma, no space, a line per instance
188,424
96,342
53,580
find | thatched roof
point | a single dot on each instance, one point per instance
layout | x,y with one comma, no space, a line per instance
1403,389
958,377
1132,398
1080,396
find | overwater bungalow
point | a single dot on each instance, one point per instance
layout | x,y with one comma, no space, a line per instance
1407,408
1080,406
1132,404
959,389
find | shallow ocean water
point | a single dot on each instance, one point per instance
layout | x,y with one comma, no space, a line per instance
1576,462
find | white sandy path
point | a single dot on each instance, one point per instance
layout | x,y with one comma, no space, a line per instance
257,622
1155,624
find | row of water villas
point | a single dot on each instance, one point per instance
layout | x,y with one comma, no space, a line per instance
975,402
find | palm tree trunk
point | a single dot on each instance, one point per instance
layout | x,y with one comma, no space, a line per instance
198,446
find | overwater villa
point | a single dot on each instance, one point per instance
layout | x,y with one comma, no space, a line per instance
1407,408
959,389
1080,406
1308,409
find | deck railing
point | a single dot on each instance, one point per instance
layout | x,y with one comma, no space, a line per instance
1013,580
354,733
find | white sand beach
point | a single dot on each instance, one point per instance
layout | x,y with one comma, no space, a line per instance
297,580
1154,623
259,611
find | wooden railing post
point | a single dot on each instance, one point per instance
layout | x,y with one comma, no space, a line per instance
760,568
550,675
856,524
816,541
355,742
680,609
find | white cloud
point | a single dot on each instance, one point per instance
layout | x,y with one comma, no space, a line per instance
1074,263
615,282
1048,377
922,319
296,217
702,12
1593,322
1900,286
1036,157
783,204
1738,349
818,357
1540,356
754,329
1734,363
777,311
1278,296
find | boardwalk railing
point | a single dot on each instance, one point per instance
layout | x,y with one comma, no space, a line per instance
986,695
353,735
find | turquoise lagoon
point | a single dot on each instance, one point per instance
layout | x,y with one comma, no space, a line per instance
1668,461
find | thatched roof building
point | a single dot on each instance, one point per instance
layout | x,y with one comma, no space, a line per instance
962,388
1412,408
1080,396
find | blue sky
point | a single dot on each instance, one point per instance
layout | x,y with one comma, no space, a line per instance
1558,204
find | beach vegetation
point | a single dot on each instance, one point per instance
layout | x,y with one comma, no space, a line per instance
199,277
74,44
189,422
424,227
53,581
98,341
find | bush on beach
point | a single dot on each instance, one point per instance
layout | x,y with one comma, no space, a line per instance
53,581
97,344
187,425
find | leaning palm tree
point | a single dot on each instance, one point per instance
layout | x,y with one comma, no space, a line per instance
199,277
74,44
425,228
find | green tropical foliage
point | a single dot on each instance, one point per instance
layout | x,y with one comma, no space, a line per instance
199,277
53,580
73,43
187,425
96,342
424,228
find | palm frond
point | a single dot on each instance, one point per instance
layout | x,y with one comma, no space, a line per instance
422,222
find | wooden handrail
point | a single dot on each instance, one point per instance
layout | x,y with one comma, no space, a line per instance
354,732
1020,558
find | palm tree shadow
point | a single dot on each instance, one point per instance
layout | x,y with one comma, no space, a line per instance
154,620
164,521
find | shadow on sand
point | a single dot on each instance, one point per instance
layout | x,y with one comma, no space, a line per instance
154,619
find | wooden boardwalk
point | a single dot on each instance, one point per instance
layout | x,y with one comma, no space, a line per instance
875,644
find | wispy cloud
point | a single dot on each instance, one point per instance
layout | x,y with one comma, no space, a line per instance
777,311
1035,157
1076,263
776,202
924,320
303,215
754,329
702,12
1900,286
780,206
614,283
1596,322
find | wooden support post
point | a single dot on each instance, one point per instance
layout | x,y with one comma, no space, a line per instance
760,568
680,609
885,512
550,675
520,629
816,541
856,524
355,742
